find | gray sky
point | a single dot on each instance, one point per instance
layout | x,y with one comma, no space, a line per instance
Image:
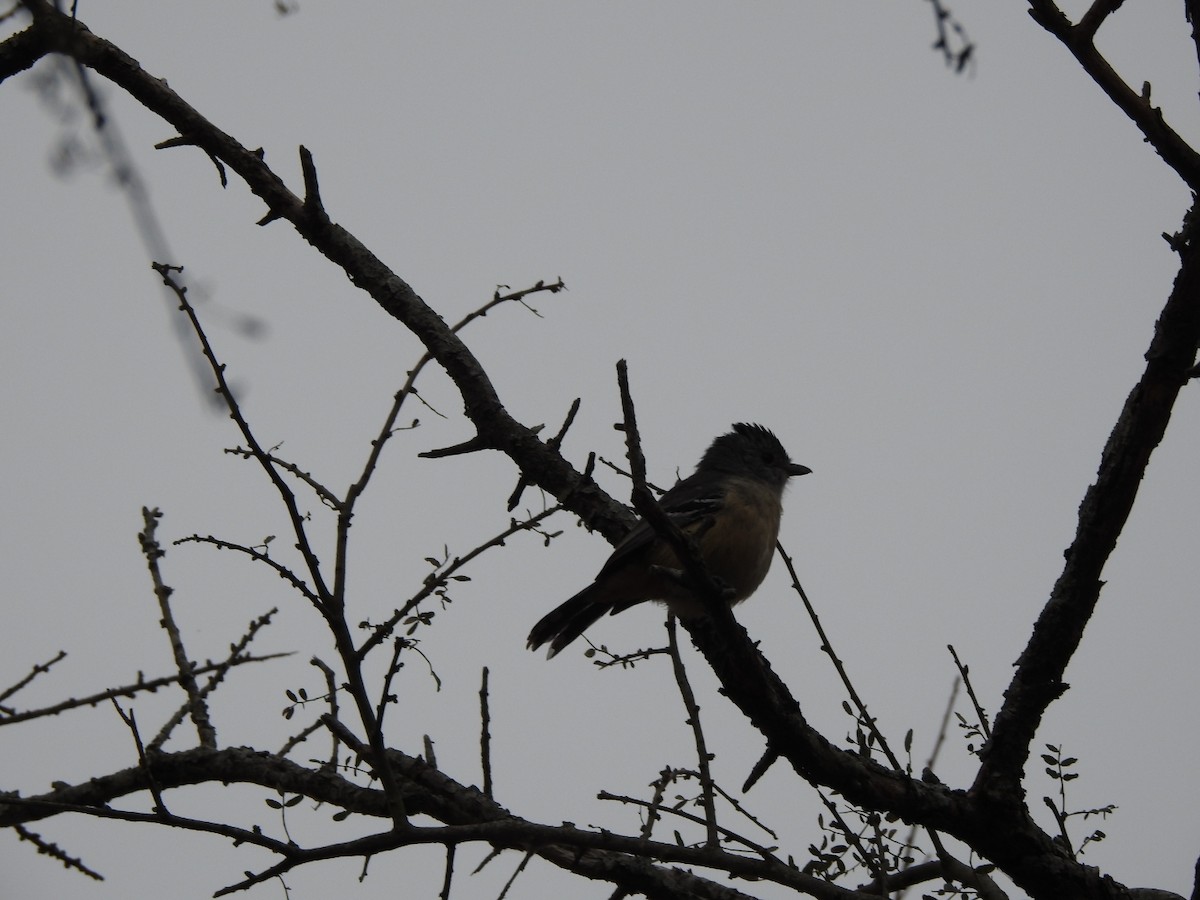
937,290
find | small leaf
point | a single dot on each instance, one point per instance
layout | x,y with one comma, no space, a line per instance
297,799
274,804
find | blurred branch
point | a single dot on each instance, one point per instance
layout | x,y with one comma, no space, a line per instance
952,40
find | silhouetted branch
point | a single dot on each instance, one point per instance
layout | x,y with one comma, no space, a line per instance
187,679
38,669
1174,150
129,690
1139,429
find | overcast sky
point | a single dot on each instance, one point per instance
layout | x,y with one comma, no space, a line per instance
936,290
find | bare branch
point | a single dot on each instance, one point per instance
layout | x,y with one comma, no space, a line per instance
1139,429
48,848
187,679
693,720
827,647
258,556
964,673
485,735
1091,20
285,493
38,669
1174,150
440,579
160,807
129,690
215,678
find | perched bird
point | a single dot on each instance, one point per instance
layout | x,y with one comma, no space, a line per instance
730,506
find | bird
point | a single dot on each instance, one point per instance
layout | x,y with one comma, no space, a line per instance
730,506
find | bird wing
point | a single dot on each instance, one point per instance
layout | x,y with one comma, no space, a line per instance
691,505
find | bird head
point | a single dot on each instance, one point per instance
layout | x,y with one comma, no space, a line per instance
754,452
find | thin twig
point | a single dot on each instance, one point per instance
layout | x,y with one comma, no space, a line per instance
326,496
38,669
127,690
49,848
385,693
331,695
655,807
938,742
215,677
693,712
130,721
441,579
448,877
298,520
258,556
409,386
555,443
964,673
852,837
513,877
187,678
827,648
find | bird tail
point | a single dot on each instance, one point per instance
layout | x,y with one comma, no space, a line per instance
568,621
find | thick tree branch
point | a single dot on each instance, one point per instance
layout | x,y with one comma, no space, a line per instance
55,32
1174,150
1102,516
467,813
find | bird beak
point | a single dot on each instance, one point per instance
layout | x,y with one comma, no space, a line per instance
795,469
